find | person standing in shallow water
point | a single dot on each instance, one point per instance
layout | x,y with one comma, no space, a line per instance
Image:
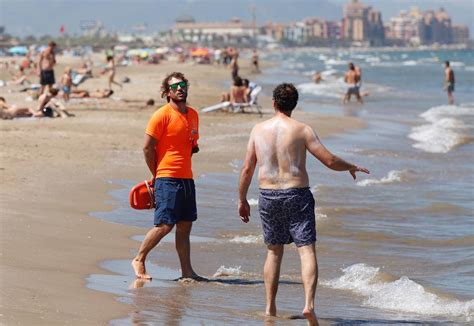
286,205
449,82
170,141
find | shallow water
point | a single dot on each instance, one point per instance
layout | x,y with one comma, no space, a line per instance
396,246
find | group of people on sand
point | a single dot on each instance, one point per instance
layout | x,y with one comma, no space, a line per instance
48,89
277,146
240,92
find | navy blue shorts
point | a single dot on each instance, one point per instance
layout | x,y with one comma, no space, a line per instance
287,216
175,201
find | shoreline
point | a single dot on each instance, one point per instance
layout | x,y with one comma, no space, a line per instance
56,172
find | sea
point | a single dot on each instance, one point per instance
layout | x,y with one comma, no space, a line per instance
394,247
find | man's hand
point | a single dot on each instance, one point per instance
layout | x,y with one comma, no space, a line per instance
355,169
244,210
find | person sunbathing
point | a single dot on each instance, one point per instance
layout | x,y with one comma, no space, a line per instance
11,112
82,93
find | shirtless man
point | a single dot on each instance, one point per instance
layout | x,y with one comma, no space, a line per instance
286,205
449,82
47,60
48,105
352,78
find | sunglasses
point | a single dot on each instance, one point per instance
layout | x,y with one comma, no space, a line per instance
181,84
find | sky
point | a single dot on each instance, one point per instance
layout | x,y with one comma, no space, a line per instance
45,17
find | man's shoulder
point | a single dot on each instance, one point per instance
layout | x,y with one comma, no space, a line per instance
161,112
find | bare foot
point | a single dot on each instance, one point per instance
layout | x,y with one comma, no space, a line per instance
310,316
138,283
271,311
139,269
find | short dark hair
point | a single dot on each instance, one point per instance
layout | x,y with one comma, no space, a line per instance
52,43
165,87
109,57
285,96
447,63
2,99
351,66
245,82
54,91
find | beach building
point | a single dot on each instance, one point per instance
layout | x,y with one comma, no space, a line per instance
405,27
186,29
362,24
436,27
460,34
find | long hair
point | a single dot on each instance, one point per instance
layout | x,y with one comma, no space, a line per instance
165,87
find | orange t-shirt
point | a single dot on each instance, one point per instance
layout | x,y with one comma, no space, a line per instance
176,134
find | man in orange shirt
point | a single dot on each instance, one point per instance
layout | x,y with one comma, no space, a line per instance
170,141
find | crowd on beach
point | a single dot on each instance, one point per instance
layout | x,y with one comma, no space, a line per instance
35,74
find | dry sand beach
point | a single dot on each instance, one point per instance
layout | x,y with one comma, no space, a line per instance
54,172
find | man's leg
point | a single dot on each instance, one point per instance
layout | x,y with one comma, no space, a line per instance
152,238
183,247
450,98
271,276
309,275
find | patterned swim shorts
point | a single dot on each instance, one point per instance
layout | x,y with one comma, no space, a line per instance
287,216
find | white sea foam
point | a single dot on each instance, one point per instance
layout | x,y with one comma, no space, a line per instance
253,202
393,176
446,128
328,88
335,62
410,63
228,271
247,239
457,64
403,295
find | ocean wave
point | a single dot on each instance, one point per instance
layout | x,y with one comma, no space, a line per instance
402,295
445,130
334,89
247,239
228,271
393,176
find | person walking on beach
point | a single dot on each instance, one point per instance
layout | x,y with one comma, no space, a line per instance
46,62
353,78
449,82
286,204
255,67
170,141
110,69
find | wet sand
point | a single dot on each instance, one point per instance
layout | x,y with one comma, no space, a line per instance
54,172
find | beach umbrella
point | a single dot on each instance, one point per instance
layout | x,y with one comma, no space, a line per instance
200,52
18,50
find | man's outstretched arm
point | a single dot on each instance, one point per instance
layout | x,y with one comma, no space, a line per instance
246,178
314,146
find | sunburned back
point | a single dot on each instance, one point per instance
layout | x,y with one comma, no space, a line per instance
281,154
